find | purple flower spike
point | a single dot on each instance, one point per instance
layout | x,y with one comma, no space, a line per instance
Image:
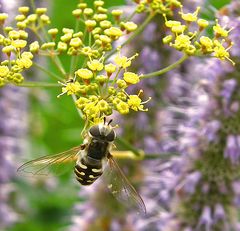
219,213
228,88
191,182
211,129
232,150
206,219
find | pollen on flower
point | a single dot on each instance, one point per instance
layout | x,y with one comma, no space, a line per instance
75,42
14,34
105,24
110,68
190,17
131,78
103,106
23,9
3,17
121,83
95,65
122,107
202,23
24,62
123,61
129,26
53,31
71,88
167,39
171,23
220,31
135,102
4,70
91,110
178,29
19,44
62,46
113,32
81,102
84,73
221,52
206,43
34,47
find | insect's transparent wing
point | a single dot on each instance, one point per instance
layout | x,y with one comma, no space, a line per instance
121,188
56,164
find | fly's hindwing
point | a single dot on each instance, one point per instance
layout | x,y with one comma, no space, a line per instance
88,170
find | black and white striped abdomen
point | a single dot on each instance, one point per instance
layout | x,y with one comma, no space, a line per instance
87,173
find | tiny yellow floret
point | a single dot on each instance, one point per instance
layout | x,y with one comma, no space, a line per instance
123,61
24,62
23,9
130,26
14,34
131,78
62,46
220,31
19,44
113,32
84,73
75,42
190,17
206,43
117,12
53,31
134,103
122,107
3,17
95,65
81,102
71,88
178,29
110,68
4,71
202,23
171,23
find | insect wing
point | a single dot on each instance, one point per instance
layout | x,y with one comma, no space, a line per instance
121,188
56,164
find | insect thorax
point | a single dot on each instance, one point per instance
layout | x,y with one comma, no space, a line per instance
98,149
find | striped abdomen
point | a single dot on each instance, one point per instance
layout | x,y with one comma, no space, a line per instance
87,172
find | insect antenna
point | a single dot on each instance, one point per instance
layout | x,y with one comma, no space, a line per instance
104,120
110,121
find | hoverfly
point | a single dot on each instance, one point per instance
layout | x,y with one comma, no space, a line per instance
92,159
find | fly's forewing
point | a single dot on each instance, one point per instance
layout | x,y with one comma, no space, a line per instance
56,164
121,188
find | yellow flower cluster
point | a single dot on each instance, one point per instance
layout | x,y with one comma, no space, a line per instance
192,42
157,6
101,88
96,35
16,53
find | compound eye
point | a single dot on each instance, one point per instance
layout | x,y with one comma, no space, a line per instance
111,136
94,131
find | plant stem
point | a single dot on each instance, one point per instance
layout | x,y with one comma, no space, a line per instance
128,146
131,16
161,156
136,32
49,73
120,154
166,69
38,84
58,64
